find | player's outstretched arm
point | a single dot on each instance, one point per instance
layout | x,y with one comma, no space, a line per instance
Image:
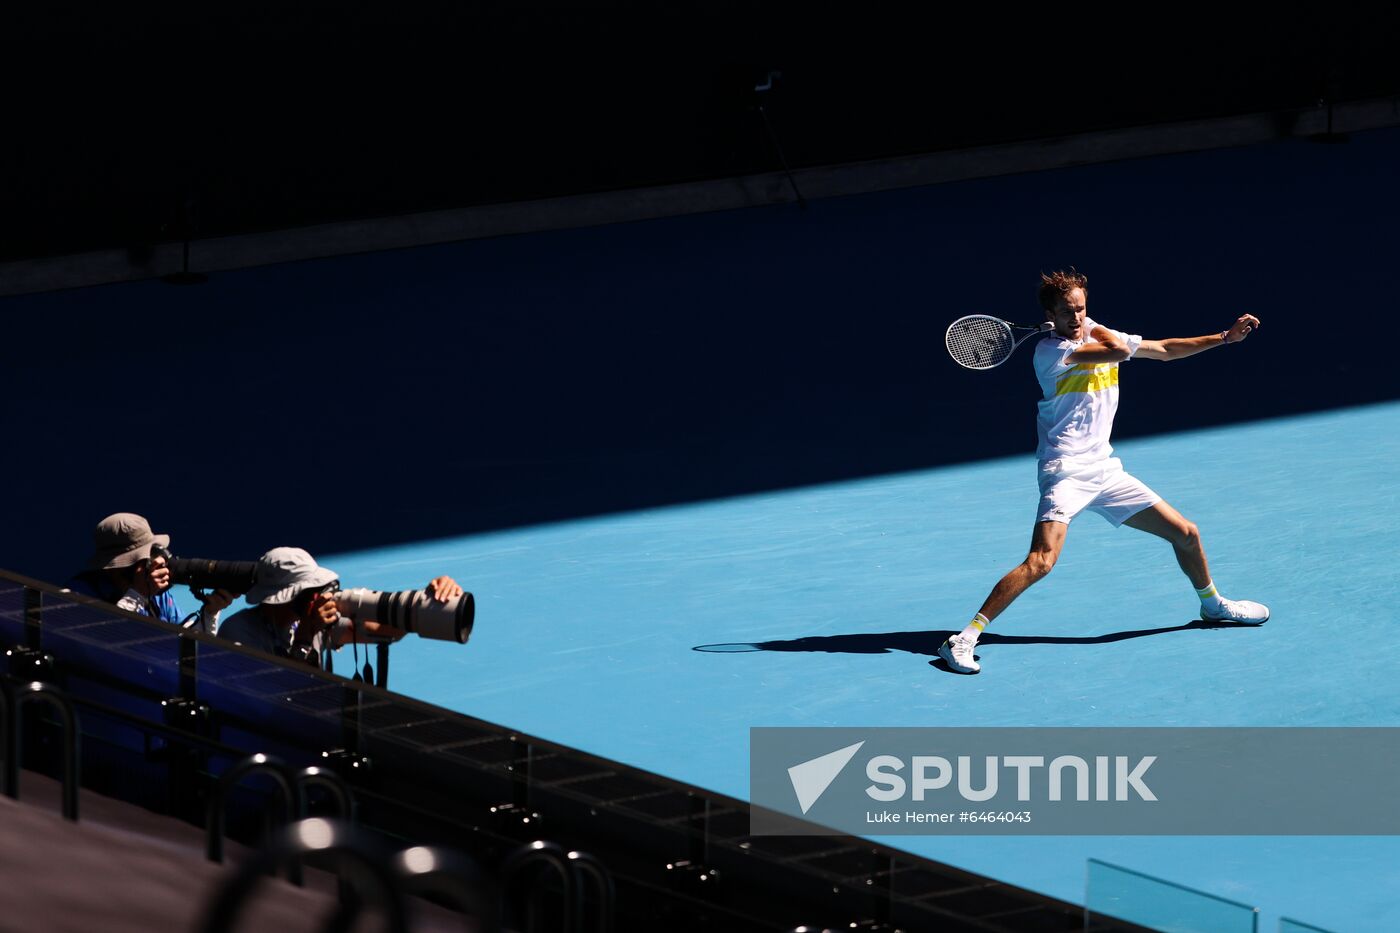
1104,346
1176,348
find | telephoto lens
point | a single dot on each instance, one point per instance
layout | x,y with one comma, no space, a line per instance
236,576
413,611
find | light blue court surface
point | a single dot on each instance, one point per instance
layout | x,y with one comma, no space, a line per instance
586,632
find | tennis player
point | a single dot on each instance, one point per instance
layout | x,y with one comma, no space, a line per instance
1077,365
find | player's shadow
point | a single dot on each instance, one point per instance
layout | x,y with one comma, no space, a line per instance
926,643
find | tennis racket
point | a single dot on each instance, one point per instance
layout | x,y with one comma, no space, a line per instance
980,341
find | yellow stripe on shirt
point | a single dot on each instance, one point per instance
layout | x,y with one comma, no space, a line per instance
1087,377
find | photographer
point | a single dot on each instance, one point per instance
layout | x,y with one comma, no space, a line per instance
124,571
294,613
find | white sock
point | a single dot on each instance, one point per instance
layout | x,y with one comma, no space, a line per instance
1210,598
974,628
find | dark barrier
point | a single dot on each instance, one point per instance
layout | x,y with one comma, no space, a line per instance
163,706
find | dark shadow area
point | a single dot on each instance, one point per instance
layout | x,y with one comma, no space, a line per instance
364,401
927,642
482,103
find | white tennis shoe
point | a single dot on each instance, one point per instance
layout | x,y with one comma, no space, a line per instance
957,651
1240,611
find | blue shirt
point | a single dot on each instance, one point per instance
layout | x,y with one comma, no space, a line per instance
97,584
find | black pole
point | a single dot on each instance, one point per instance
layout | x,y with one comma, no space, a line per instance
381,663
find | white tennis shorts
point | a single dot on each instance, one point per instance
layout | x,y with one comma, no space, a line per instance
1101,487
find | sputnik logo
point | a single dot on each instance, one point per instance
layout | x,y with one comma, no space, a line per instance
811,778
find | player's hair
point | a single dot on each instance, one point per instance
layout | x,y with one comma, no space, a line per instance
1057,285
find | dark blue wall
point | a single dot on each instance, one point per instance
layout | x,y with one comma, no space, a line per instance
367,400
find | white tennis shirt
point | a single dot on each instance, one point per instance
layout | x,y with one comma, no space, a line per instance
1078,401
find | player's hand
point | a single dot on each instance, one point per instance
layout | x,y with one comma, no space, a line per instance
1242,328
444,588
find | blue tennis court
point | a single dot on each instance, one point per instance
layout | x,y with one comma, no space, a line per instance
659,637
516,383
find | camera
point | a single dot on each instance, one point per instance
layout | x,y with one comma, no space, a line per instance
236,576
413,611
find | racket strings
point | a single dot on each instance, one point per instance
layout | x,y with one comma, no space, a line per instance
980,343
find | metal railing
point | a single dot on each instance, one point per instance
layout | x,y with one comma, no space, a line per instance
14,698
